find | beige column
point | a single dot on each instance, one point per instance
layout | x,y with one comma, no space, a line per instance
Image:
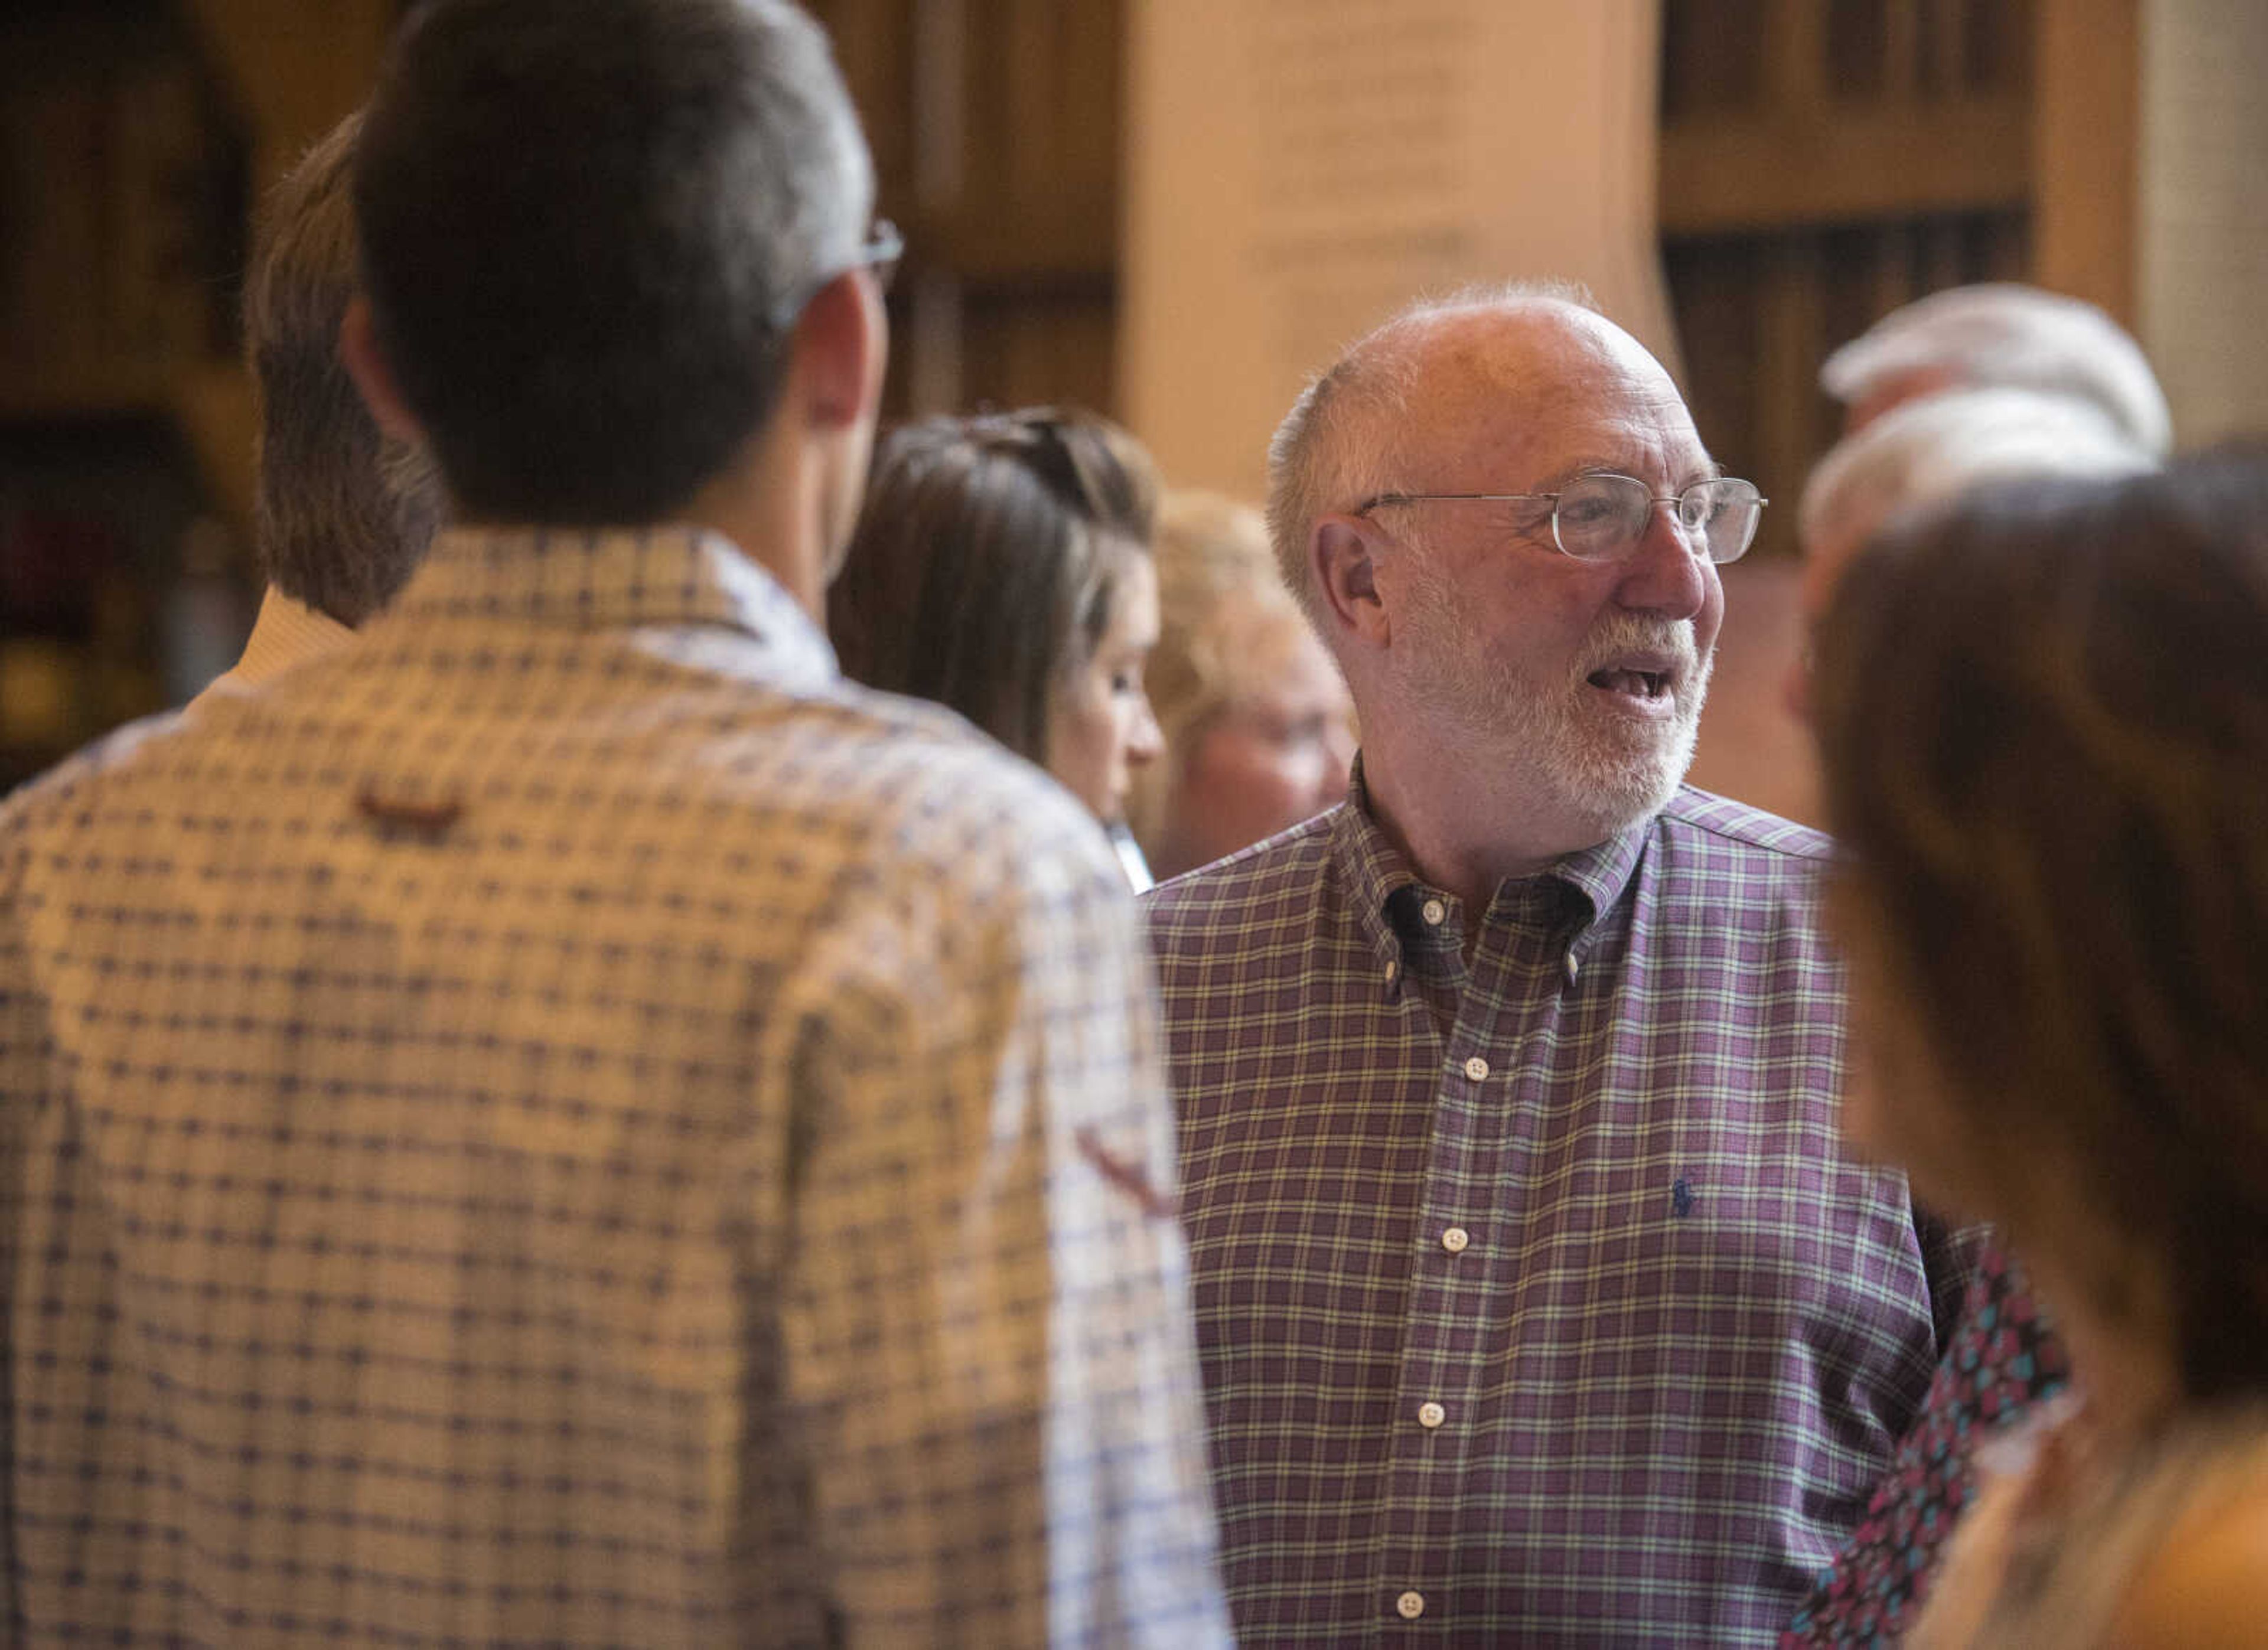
1297,169
2203,249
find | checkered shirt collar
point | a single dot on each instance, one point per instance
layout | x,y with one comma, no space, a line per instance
1374,872
603,578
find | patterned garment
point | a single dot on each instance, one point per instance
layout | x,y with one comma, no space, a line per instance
2005,1359
564,1123
1538,1301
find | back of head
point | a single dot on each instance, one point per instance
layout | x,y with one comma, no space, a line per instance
1934,447
589,226
984,564
2044,719
343,514
2004,335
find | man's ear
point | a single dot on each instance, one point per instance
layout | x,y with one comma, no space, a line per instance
842,342
1342,561
373,378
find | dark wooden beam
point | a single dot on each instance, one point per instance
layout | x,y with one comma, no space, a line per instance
1726,174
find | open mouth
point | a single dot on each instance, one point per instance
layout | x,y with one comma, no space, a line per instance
1637,684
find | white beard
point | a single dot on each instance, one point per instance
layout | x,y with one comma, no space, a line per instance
1579,761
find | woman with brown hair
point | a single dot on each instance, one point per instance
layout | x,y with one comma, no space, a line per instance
1001,566
2043,719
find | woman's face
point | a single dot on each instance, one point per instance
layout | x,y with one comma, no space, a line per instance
1099,727
1275,753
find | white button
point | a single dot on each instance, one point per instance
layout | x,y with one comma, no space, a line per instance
1476,1068
1573,968
1455,1239
1430,1415
1412,1605
1392,970
1432,911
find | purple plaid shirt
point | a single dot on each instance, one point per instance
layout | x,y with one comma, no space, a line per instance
1538,1301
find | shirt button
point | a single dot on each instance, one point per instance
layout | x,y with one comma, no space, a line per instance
1410,1605
1476,1068
1393,969
1431,1415
1433,911
1455,1239
1573,968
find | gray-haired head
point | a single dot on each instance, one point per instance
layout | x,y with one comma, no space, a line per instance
343,514
2002,336
1336,446
589,228
1935,447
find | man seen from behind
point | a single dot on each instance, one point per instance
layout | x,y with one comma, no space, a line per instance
562,1120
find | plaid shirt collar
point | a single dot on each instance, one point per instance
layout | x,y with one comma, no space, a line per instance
604,578
1375,874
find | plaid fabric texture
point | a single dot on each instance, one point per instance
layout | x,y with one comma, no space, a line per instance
565,1124
2005,1360
1537,1303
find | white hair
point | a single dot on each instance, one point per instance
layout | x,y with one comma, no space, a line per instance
2004,335
1934,447
1336,447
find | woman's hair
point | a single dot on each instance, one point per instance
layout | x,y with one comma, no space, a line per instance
1215,569
2043,719
985,560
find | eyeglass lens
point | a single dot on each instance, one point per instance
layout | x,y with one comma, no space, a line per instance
1603,518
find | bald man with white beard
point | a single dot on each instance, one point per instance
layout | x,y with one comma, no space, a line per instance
1538,1301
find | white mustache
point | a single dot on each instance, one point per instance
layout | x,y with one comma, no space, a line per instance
1619,636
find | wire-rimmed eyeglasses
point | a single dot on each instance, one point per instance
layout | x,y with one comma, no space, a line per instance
878,253
1602,517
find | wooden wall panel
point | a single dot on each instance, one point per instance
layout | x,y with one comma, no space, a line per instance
1823,162
2085,141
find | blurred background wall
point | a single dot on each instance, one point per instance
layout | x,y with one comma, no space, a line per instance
1819,163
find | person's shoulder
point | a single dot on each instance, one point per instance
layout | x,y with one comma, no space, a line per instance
64,792
2205,1586
932,794
1272,877
1704,818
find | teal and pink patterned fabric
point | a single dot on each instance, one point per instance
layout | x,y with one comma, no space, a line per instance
2004,1358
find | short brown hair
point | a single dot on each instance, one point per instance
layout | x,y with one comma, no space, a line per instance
588,227
2043,717
343,514
985,561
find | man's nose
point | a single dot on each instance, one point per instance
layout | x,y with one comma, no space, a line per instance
1669,572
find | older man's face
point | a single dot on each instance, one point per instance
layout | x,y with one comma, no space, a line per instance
1586,678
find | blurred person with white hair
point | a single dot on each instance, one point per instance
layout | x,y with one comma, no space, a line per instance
1931,449
2006,1357
2000,335
1258,727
